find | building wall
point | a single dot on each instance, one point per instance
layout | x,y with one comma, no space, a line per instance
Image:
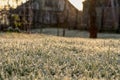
51,10
105,18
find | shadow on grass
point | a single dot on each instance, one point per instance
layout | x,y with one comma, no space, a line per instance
75,33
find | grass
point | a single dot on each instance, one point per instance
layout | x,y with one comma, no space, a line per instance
43,57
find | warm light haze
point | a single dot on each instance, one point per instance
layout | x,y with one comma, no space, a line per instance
77,4
12,3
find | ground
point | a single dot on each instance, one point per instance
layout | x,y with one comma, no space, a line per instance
76,33
48,57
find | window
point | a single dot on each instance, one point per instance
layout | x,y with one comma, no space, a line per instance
51,3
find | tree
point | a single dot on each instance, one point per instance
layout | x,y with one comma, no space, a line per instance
17,1
92,13
30,13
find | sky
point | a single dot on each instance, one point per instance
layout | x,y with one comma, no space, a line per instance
77,4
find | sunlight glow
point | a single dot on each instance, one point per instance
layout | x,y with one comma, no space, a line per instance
77,4
12,3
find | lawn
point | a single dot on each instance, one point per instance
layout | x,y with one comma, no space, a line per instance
47,57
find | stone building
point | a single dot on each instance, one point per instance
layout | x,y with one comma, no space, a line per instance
52,13
107,16
61,13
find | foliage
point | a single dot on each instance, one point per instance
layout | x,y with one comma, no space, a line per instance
42,57
16,24
16,19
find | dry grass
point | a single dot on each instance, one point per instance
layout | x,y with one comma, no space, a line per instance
43,57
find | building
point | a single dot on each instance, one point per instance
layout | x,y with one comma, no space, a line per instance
49,13
108,15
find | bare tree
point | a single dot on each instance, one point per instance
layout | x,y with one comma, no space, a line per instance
92,26
30,18
17,2
66,17
58,23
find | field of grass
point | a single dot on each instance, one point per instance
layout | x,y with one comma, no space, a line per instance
43,57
